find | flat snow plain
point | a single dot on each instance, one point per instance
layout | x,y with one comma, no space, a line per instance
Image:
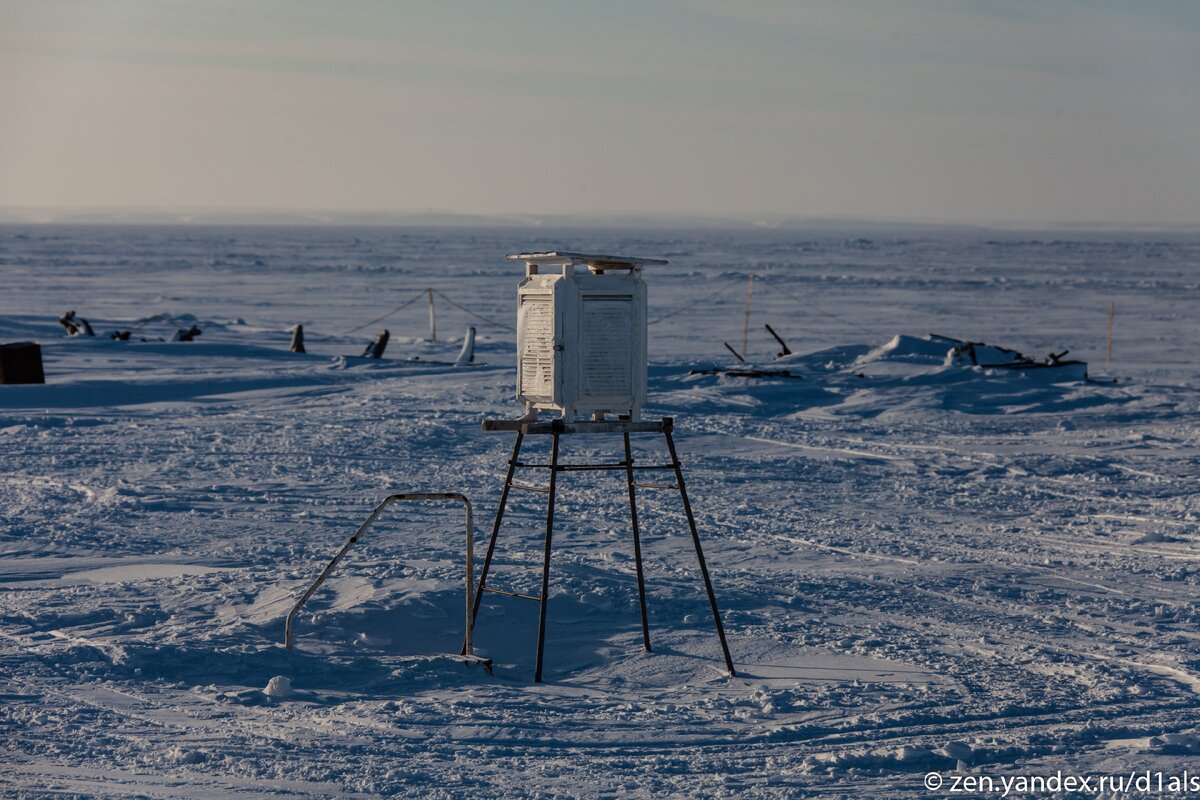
922,567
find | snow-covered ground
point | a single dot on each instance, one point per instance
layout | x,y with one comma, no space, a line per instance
922,565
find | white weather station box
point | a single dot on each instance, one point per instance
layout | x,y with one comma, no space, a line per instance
581,335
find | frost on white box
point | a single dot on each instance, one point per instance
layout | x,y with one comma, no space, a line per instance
581,334
536,369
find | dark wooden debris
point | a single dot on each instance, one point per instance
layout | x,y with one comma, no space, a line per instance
1019,361
75,326
786,351
375,349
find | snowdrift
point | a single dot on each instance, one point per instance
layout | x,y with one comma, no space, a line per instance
903,375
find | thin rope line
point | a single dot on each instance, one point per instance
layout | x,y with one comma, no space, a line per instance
461,307
808,304
690,305
662,317
385,316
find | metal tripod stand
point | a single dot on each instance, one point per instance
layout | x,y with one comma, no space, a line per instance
556,429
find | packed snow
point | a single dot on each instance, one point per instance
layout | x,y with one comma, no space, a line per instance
923,565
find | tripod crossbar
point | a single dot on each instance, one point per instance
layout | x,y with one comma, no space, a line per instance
511,594
529,488
593,467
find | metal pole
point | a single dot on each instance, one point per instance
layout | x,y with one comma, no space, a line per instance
637,543
362,529
487,559
537,671
432,320
291,617
468,646
687,508
746,325
1112,310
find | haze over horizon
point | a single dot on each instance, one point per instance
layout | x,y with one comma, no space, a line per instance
976,112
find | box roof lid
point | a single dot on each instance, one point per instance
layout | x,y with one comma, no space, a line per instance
592,260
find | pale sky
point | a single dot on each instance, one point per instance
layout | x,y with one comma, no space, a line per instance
1006,110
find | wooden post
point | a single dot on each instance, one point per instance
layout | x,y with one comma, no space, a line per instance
432,319
75,326
746,325
375,348
1112,310
297,339
467,354
67,320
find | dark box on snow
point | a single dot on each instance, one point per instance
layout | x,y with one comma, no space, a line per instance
21,362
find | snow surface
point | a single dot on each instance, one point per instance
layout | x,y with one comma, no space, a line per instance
922,565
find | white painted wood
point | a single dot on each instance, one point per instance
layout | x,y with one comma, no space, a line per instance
581,335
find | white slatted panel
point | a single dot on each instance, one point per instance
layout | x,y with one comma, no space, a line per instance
606,340
536,323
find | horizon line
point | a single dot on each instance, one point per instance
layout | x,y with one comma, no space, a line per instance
262,215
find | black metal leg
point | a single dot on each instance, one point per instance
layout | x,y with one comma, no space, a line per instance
687,508
637,542
541,642
487,560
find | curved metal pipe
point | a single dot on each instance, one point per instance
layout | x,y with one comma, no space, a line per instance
398,498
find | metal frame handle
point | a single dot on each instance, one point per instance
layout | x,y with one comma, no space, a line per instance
398,498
